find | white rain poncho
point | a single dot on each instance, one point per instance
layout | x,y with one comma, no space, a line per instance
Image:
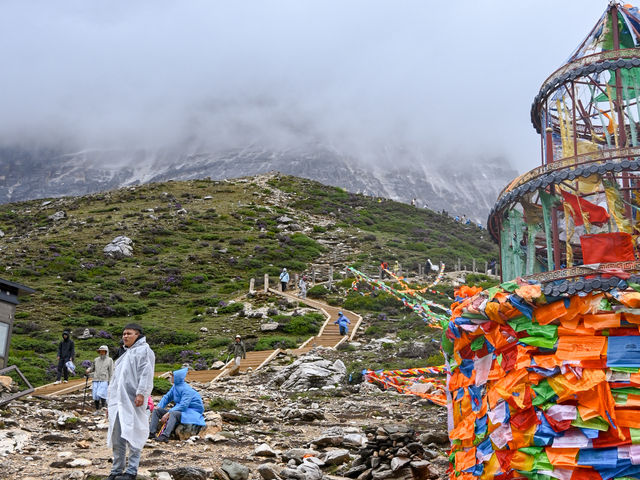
133,375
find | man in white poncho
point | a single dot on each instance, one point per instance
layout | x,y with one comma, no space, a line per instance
129,390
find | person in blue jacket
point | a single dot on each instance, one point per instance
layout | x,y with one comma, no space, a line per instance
188,407
343,323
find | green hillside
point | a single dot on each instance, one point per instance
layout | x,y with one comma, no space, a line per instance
195,245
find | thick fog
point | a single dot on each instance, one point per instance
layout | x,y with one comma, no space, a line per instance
432,79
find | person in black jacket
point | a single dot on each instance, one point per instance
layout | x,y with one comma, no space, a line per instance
66,352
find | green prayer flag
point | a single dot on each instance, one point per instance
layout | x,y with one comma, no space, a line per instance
546,331
477,343
530,450
635,436
620,398
520,324
595,423
540,341
541,462
543,391
510,286
625,369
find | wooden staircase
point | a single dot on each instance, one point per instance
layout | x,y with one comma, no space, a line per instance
329,336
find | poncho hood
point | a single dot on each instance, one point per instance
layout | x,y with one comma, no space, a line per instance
179,376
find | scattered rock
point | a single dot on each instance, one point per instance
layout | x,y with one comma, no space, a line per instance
269,327
336,457
187,473
234,470
57,216
264,450
268,472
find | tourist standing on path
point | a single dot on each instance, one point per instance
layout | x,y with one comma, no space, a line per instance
239,352
66,353
343,323
102,369
303,287
129,389
188,407
284,279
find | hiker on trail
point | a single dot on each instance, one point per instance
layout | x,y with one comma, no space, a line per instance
383,266
188,407
343,323
303,287
239,352
66,353
102,369
129,389
284,279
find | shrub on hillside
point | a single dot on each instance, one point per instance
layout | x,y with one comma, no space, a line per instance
319,291
271,343
231,308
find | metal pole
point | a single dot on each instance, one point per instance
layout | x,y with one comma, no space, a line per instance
618,104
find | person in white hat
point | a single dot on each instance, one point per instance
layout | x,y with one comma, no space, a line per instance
102,370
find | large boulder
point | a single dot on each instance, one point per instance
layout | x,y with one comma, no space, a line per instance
119,247
310,371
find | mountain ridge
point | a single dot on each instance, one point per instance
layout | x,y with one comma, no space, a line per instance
38,173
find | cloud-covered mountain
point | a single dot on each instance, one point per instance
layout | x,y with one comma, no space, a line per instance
472,190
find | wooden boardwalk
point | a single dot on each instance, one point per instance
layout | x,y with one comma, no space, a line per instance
328,336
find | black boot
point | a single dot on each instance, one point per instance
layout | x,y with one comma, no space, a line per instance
103,402
97,404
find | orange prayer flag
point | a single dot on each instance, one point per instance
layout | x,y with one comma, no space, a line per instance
601,321
545,314
568,385
522,438
464,429
630,299
587,413
600,400
631,318
575,330
547,361
628,417
581,348
562,457
466,459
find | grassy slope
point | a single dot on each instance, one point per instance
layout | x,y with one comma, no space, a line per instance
186,267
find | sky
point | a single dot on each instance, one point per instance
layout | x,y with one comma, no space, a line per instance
448,79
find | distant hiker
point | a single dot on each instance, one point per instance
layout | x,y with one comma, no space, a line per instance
239,352
492,266
413,202
102,369
343,323
302,284
284,279
66,353
383,267
120,351
129,389
188,407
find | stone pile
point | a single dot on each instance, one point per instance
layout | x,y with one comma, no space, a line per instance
393,452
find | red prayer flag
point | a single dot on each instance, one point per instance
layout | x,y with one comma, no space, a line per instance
578,205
